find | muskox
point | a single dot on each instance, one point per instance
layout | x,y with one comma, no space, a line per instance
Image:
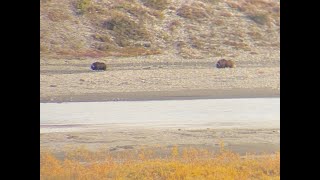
98,66
222,63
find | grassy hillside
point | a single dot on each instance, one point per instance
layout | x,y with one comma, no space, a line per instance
187,28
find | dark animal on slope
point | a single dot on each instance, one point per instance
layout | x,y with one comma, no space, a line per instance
222,63
98,66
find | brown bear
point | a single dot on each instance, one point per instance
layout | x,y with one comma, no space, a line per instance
98,66
222,63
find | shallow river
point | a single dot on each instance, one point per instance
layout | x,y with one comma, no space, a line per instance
204,113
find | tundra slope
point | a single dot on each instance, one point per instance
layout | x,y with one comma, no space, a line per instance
189,29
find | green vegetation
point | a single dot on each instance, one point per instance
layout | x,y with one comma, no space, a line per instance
83,6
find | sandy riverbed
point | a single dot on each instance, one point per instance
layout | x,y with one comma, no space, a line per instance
244,125
160,78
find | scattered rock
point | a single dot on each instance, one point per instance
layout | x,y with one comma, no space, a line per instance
147,45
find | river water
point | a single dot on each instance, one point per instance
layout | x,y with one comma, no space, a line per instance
204,113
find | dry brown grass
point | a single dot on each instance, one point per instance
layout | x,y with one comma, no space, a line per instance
237,45
120,52
136,10
134,51
263,12
255,35
58,15
84,6
156,4
195,11
218,22
125,29
43,49
103,28
260,18
226,14
174,25
211,1
121,19
188,163
197,42
82,53
118,29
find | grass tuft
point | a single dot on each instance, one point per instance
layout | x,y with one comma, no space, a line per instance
156,4
194,11
83,6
